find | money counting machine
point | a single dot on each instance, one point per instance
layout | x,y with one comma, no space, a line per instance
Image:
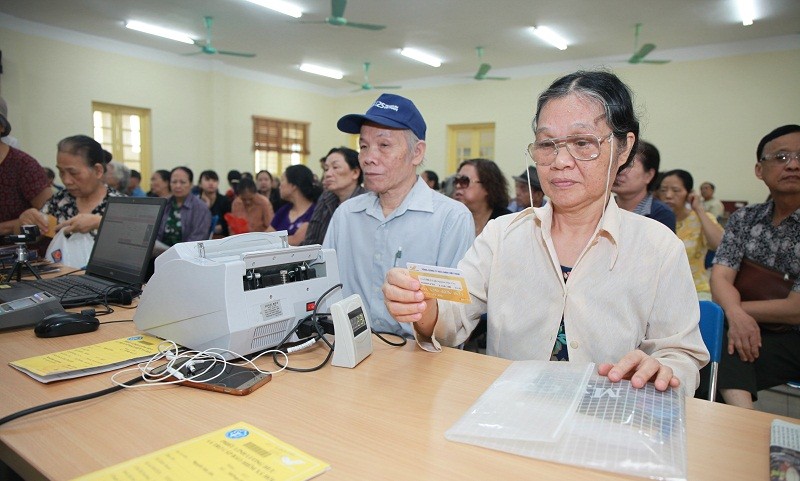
243,293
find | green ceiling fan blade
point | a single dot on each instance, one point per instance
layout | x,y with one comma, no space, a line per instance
207,48
337,18
482,71
484,68
366,85
337,8
236,54
640,53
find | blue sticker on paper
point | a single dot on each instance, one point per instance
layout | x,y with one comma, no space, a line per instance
136,338
237,433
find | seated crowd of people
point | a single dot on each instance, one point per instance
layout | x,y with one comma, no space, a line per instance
633,283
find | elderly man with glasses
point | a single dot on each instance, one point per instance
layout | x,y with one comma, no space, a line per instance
763,341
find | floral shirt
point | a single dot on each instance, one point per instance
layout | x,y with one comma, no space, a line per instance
63,206
560,352
749,233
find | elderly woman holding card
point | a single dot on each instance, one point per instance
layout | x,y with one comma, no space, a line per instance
579,279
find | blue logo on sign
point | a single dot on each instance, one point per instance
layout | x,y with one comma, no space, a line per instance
237,433
135,338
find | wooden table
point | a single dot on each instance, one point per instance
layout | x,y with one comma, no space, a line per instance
385,419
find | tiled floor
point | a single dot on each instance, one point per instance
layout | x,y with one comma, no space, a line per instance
782,400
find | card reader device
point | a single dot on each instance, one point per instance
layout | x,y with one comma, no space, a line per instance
21,305
352,330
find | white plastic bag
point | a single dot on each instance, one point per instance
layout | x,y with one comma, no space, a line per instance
614,427
73,251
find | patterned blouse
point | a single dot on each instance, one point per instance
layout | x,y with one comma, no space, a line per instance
63,206
560,352
749,233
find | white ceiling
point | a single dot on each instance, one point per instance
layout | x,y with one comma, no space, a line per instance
598,32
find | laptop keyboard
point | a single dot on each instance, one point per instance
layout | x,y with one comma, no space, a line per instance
72,288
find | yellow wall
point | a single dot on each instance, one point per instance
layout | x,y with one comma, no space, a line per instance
705,116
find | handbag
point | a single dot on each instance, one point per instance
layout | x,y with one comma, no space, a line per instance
757,282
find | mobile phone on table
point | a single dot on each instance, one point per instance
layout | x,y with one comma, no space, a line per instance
222,377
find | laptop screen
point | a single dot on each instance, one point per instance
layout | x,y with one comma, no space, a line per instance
125,239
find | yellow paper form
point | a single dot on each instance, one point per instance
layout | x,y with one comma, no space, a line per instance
238,452
86,360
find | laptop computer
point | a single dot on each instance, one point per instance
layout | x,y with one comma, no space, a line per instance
120,257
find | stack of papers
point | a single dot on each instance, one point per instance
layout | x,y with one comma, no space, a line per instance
87,360
237,452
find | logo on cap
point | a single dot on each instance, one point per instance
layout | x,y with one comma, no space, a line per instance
382,105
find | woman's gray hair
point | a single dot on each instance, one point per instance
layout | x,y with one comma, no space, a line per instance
607,89
122,173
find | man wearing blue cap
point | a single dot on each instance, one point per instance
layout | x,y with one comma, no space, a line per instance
401,219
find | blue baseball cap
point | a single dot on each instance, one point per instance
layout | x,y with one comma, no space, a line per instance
389,111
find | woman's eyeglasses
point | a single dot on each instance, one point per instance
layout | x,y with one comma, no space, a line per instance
580,147
462,181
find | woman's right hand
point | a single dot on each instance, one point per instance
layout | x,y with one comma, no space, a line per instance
35,217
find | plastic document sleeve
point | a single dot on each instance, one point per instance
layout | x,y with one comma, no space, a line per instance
564,412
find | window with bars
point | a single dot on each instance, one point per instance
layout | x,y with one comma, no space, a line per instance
278,144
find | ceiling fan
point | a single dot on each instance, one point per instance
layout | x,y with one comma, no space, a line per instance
640,53
337,18
368,86
207,48
484,68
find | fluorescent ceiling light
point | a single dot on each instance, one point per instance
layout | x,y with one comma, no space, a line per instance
325,72
747,11
421,57
159,31
279,6
550,37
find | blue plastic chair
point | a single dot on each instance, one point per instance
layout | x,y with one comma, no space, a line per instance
711,323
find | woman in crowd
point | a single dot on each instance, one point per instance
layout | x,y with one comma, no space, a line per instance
251,205
218,204
186,218
80,206
117,175
482,187
431,179
634,186
699,230
563,282
300,193
342,180
23,182
159,184
267,188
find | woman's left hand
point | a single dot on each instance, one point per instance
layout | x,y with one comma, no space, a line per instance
640,369
696,202
80,223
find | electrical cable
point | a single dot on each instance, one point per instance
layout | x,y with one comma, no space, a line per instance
314,317
64,402
403,340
